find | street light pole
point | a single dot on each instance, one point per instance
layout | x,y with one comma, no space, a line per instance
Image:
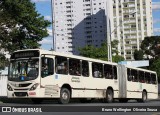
52,11
109,41
108,27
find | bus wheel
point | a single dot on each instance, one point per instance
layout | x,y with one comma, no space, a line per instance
36,101
65,96
144,96
109,96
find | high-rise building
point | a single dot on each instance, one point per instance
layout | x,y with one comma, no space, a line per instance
131,21
78,23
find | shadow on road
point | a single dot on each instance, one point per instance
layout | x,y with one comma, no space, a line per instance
53,101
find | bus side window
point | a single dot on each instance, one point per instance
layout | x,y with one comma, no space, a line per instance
85,68
47,67
147,77
108,71
97,70
129,74
61,65
153,79
74,67
114,68
141,77
134,75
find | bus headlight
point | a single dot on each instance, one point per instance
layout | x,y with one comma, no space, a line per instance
9,87
34,86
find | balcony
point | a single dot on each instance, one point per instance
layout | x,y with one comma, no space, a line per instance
131,5
131,1
130,32
127,27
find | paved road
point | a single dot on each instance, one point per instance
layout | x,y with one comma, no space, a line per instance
74,104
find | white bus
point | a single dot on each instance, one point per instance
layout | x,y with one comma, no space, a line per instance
39,74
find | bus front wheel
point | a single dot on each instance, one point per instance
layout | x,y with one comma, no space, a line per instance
109,96
65,96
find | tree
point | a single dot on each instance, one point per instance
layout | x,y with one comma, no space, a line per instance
138,55
114,44
101,52
117,58
155,67
21,26
151,46
3,61
88,51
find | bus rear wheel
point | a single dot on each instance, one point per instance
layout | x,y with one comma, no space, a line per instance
144,97
109,96
65,96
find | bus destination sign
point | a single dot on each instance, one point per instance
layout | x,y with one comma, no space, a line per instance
25,54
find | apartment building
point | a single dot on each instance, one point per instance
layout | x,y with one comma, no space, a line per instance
78,23
131,21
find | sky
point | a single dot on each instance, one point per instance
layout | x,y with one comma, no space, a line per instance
44,8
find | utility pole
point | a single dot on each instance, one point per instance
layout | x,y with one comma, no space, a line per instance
108,27
52,11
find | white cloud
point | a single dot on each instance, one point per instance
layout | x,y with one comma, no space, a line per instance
47,41
157,30
40,0
50,32
48,18
156,5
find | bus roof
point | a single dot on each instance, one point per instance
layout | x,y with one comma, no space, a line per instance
141,69
47,52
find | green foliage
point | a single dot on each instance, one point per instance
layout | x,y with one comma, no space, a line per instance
101,52
3,62
155,66
114,44
117,58
138,55
21,26
150,46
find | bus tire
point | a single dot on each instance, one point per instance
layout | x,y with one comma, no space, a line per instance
144,96
65,96
36,101
109,96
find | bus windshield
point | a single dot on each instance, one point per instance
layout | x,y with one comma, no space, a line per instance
23,70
